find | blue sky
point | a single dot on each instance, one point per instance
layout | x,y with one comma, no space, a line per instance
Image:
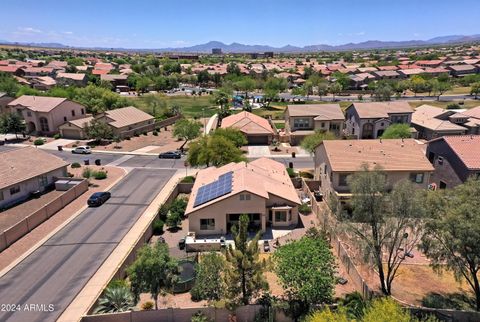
172,23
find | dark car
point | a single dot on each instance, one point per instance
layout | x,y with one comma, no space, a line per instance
98,198
170,155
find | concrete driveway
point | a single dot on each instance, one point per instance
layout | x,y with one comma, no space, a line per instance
56,272
258,151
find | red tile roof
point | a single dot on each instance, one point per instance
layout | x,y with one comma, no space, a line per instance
467,148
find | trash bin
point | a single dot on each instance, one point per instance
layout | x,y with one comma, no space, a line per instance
293,154
60,148
86,162
290,165
98,162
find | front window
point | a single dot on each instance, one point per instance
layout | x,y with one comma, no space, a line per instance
73,112
301,123
43,180
342,179
14,190
207,224
29,114
281,216
416,177
244,196
44,125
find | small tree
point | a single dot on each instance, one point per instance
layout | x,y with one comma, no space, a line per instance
451,238
12,123
417,84
310,142
475,89
213,150
209,284
234,135
439,88
244,274
98,130
153,271
116,298
186,130
306,269
174,220
335,89
397,131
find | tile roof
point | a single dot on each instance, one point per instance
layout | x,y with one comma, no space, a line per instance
467,148
391,155
38,103
248,123
74,76
381,109
319,111
16,165
126,116
262,177
473,112
429,117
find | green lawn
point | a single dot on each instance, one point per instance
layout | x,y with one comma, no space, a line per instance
191,106
467,103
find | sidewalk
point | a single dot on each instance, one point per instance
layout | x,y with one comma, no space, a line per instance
95,286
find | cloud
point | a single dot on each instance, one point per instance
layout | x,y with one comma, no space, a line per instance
179,42
28,30
353,34
67,32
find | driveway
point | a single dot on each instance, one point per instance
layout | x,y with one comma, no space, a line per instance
258,151
54,144
56,272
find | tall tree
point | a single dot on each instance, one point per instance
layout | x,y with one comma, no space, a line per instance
475,89
306,269
12,123
186,130
417,84
216,150
209,284
452,233
244,274
222,98
386,225
335,89
98,130
232,134
153,271
397,131
439,88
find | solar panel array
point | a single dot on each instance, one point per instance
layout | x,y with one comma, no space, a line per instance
217,188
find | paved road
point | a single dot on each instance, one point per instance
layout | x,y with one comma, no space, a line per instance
57,271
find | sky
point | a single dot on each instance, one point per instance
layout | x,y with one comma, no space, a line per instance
174,23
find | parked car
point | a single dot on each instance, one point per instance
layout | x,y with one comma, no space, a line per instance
82,150
98,199
170,155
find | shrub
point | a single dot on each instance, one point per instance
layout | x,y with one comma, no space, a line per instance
70,175
145,133
188,179
291,173
74,145
57,136
75,165
453,106
173,220
118,282
147,305
155,133
158,227
38,142
305,174
99,175
87,173
178,207
200,317
136,135
304,209
163,212
127,138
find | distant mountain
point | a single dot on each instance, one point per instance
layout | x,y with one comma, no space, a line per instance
242,48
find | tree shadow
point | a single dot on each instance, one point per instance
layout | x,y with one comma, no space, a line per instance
456,300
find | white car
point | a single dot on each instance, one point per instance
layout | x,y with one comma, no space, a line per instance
82,150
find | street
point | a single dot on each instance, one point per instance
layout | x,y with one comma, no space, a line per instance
56,272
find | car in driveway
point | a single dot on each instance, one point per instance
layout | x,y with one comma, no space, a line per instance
170,155
98,199
82,150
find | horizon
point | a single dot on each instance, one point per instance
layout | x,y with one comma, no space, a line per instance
267,23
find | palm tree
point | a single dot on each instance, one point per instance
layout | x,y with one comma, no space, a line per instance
116,298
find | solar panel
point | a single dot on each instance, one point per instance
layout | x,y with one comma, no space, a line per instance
215,189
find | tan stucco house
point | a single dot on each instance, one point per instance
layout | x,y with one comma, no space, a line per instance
261,188
43,115
26,170
336,160
256,129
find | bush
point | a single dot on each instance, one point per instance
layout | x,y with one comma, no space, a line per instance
306,175
127,138
158,227
291,173
38,142
304,209
188,179
453,106
136,135
118,282
87,173
163,212
155,133
145,133
100,175
57,136
173,220
178,207
200,317
147,305
75,165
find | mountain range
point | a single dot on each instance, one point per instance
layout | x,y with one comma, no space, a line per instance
242,48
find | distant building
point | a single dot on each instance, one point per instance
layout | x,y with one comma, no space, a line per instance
217,51
268,54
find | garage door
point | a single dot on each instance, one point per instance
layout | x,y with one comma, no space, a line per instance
258,140
71,134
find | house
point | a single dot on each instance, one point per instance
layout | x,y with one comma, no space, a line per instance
462,70
42,83
303,120
71,79
261,189
409,72
256,129
432,122
361,80
400,159
26,170
43,115
38,71
386,74
369,120
125,122
115,80
455,159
